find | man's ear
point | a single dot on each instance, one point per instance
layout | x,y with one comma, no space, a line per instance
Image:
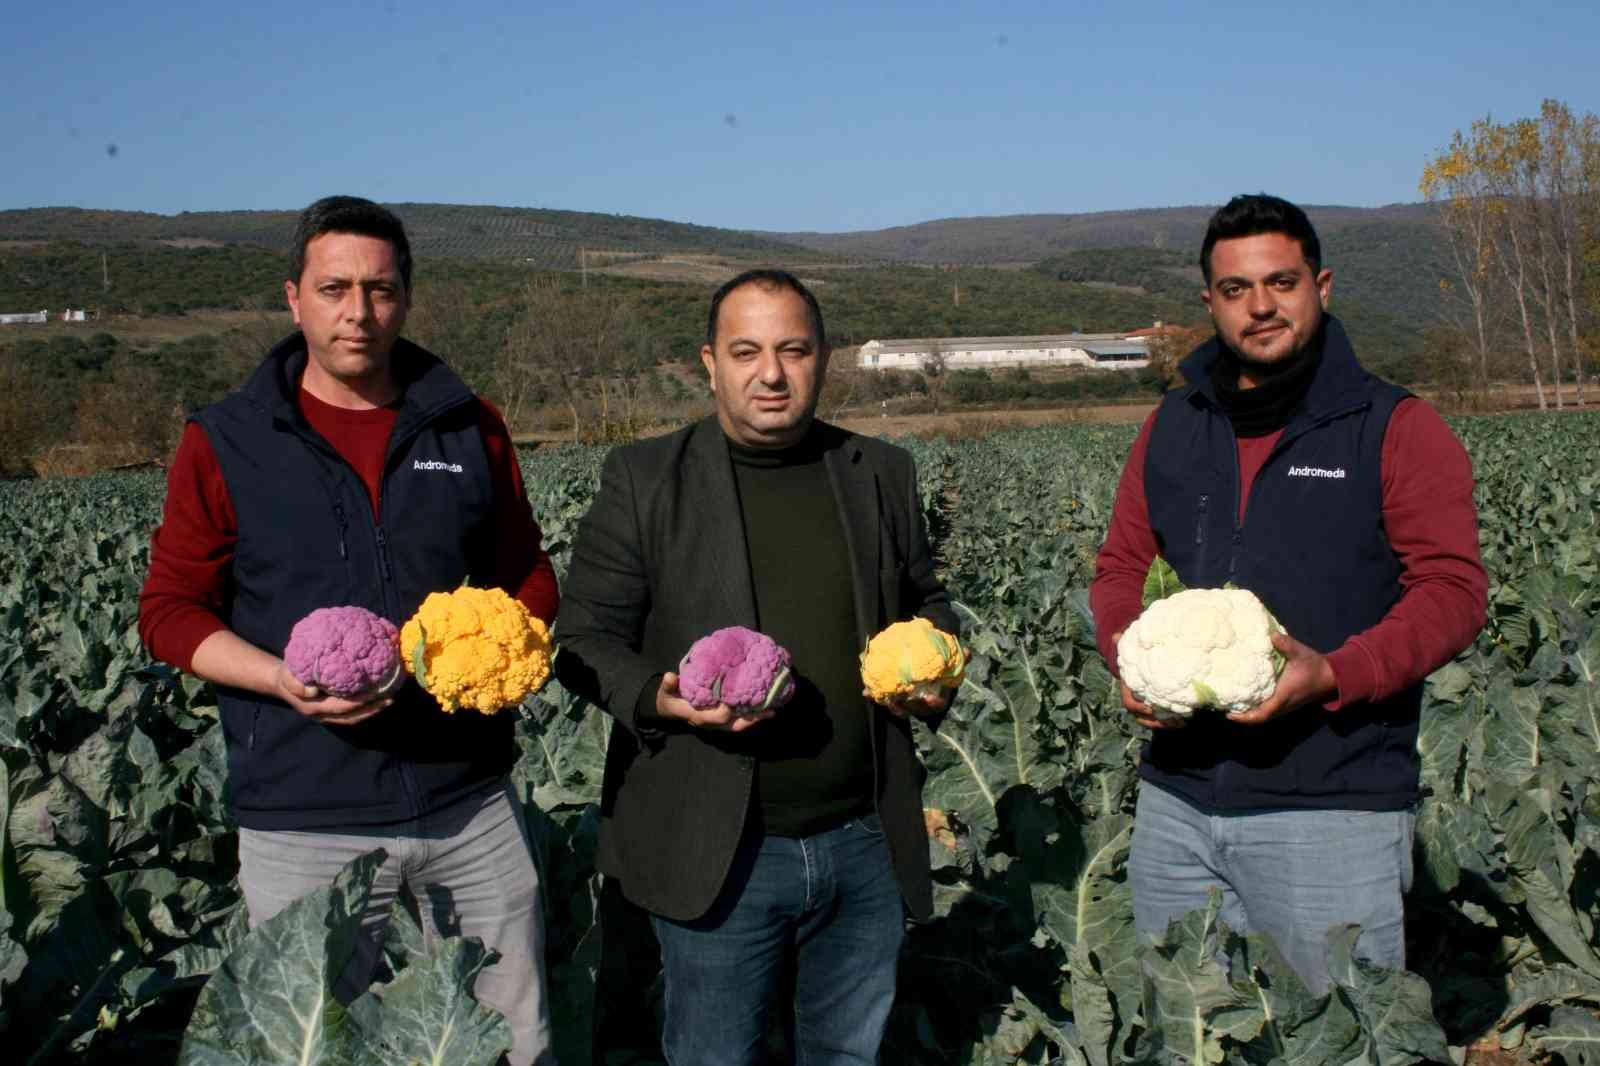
708,359
291,293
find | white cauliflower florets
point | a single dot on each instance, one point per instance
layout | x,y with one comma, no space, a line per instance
1201,648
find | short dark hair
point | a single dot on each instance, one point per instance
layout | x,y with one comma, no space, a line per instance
349,214
1248,215
767,279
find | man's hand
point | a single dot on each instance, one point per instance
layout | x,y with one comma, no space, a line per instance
1306,679
903,706
670,704
312,702
1142,712
1146,715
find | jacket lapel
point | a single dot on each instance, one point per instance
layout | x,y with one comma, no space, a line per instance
722,556
855,489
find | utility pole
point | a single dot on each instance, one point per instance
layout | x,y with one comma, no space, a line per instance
583,267
105,274
958,293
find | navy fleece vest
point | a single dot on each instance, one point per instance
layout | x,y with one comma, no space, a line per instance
1312,547
308,539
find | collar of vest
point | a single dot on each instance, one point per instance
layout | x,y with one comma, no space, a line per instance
427,386
1340,383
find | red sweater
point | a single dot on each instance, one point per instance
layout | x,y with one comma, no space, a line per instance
1432,526
191,553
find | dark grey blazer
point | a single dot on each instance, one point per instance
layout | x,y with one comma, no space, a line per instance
660,561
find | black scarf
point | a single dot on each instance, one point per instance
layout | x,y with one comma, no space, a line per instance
1281,386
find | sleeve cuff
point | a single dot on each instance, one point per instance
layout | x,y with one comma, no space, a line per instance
646,722
1355,672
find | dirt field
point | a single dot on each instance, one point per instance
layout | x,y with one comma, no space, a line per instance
977,423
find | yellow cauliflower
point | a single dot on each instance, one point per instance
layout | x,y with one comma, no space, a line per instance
477,648
912,660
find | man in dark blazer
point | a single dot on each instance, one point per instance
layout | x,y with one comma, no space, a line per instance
790,841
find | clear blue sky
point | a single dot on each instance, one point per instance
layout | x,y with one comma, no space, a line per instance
820,116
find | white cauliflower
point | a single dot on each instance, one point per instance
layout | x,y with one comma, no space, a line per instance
1201,648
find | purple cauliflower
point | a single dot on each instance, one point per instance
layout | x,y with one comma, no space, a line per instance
740,667
345,652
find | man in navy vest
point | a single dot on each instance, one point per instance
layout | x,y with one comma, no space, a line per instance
1345,504
353,467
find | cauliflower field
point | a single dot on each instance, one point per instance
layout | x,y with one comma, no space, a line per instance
117,900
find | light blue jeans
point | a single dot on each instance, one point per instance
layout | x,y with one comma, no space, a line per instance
829,906
472,875
1294,875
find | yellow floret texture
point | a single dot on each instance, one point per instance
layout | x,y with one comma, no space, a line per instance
911,659
476,648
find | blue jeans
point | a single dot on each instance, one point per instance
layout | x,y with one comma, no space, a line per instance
1294,875
826,905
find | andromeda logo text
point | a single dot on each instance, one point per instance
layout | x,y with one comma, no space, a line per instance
1316,471
455,468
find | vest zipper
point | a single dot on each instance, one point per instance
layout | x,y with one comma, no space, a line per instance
338,514
384,569
1200,520
1241,507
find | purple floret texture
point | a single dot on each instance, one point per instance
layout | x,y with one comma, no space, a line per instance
344,651
744,661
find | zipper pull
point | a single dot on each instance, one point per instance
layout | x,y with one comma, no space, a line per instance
383,554
1200,521
338,514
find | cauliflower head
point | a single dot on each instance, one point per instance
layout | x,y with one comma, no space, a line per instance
912,659
477,648
747,670
1201,648
345,652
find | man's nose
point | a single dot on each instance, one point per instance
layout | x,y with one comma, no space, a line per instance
1260,302
358,304
770,369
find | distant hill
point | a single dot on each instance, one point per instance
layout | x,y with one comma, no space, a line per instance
1116,269
543,238
1027,238
1386,259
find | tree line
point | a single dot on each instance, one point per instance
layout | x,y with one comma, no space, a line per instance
1520,215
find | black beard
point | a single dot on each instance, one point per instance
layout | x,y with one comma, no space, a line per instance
1282,385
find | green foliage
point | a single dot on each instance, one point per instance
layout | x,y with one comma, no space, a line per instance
271,1002
1160,582
116,875
145,278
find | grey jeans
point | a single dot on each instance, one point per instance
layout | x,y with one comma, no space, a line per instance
1294,875
471,873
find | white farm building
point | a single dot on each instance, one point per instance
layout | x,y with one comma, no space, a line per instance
1108,351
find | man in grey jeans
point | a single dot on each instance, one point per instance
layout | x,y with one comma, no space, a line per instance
1345,504
353,467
